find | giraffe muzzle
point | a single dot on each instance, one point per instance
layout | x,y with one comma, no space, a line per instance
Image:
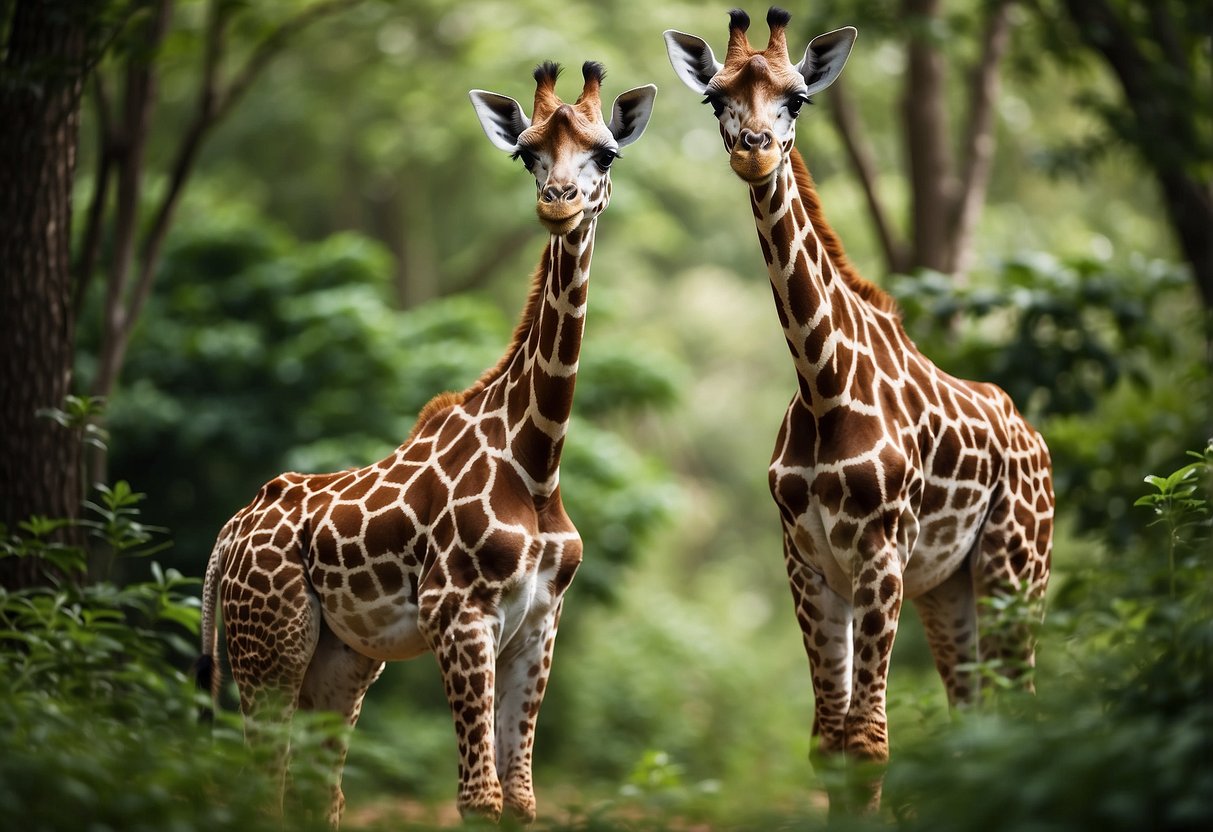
757,162
561,208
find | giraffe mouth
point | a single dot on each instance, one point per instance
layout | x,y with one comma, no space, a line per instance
755,166
560,219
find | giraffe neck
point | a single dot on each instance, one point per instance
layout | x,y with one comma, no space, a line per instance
535,381
822,304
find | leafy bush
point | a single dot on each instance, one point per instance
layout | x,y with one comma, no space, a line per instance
99,726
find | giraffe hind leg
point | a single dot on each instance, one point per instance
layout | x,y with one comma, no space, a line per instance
949,616
1010,573
271,639
336,681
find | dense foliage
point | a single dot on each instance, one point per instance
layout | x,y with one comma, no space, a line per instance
100,726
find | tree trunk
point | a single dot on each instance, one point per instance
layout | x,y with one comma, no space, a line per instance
1190,207
928,140
43,74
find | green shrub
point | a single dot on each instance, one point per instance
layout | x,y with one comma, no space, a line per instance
99,726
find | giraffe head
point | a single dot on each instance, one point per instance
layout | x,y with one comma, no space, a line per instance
757,95
568,148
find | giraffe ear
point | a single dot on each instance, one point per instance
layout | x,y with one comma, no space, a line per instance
825,57
630,114
692,59
501,117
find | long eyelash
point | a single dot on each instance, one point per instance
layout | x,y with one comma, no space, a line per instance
714,99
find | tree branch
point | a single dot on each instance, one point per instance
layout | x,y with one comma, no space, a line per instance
213,105
124,308
978,145
1167,36
1158,130
846,120
274,43
128,147
91,248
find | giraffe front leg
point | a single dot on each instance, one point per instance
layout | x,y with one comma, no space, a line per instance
522,679
876,606
825,623
464,641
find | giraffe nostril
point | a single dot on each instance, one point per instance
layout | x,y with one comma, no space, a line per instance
570,192
756,141
551,193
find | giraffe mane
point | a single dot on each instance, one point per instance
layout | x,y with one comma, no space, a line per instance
867,290
529,312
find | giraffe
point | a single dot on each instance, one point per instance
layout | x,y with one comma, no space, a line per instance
458,542
893,479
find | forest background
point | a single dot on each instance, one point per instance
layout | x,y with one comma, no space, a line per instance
288,232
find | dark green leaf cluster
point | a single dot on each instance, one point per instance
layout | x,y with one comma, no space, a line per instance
98,725
1059,334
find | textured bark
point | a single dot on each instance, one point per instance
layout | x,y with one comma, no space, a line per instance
43,72
928,141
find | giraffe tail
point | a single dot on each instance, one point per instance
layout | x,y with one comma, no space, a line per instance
207,672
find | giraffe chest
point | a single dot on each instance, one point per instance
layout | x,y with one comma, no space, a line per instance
845,506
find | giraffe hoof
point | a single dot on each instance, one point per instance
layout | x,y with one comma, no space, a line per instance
521,812
473,809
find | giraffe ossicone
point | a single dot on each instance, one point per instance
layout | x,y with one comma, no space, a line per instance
458,543
894,480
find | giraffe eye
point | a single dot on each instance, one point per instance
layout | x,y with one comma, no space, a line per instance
604,157
716,101
527,157
794,103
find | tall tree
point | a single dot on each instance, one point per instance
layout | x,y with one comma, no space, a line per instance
47,46
49,51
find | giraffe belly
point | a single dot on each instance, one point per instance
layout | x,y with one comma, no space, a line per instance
929,567
926,560
388,631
